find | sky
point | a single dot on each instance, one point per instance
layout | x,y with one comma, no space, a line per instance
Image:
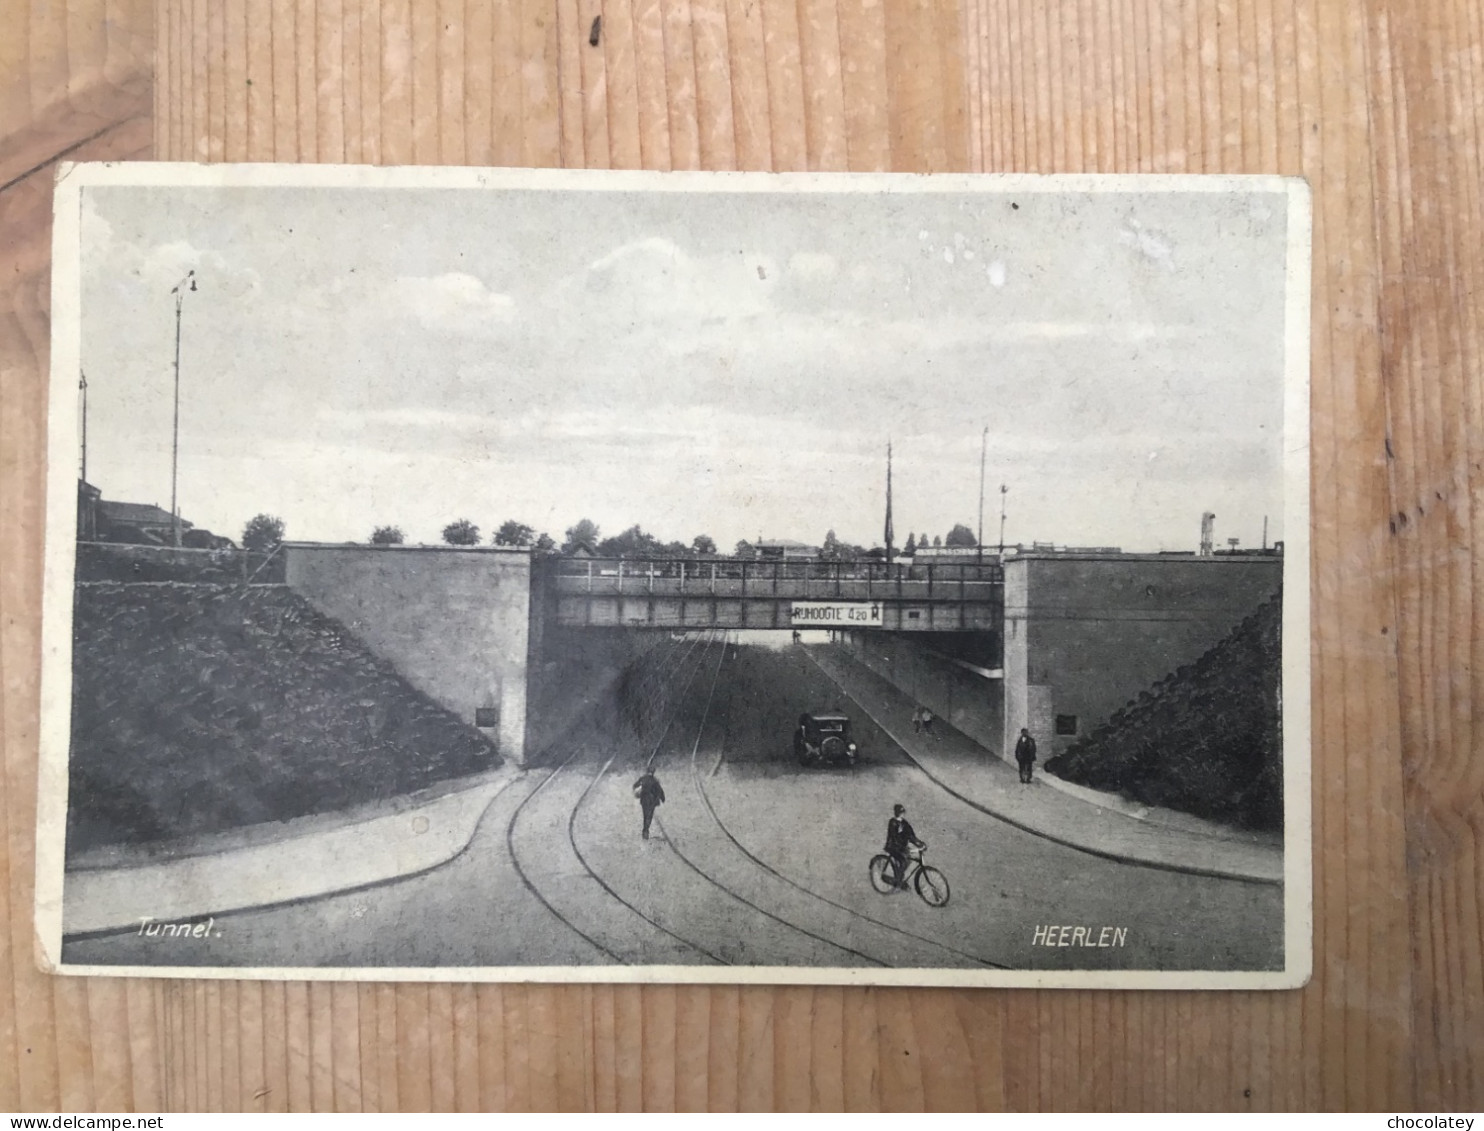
718,363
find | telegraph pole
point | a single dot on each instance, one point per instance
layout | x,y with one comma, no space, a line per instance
983,449
889,533
83,386
1004,490
178,291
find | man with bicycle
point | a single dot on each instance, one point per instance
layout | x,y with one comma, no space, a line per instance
900,837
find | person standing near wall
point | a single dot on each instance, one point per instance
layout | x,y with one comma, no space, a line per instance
1025,754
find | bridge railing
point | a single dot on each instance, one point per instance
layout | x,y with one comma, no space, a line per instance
797,579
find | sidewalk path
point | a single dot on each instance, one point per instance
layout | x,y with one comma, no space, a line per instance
307,858
1069,817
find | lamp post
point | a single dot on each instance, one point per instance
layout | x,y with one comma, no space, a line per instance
1004,490
983,450
82,474
178,291
889,533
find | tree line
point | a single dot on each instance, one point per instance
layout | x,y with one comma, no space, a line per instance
264,531
582,535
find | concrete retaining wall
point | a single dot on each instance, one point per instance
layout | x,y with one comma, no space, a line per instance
972,703
1084,634
576,670
454,621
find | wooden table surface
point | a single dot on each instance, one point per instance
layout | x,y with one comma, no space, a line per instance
1377,102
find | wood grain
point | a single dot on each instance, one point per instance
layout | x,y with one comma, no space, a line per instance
1377,103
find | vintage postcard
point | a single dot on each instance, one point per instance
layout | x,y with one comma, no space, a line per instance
538,575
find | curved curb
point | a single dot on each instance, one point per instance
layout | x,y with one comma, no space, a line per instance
1102,853
355,855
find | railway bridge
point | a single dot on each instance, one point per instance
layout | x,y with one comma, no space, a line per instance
689,593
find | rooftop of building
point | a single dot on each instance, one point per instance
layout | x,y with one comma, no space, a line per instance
137,514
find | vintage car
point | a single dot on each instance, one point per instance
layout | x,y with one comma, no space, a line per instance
823,738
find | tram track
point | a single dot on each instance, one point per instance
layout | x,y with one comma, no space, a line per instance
680,659
525,877
698,779
529,882
577,851
729,892
681,856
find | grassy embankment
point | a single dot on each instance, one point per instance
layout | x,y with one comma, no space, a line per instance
201,708
1206,739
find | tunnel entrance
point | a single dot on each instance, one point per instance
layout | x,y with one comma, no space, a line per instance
582,675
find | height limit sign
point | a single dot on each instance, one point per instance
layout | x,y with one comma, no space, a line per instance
836,614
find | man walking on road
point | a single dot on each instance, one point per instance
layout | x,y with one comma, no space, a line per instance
651,796
1025,754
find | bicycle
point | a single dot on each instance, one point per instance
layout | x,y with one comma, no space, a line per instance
927,881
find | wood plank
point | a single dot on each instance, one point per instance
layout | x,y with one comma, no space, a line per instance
69,108
1427,169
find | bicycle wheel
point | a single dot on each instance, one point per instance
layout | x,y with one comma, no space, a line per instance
932,885
882,873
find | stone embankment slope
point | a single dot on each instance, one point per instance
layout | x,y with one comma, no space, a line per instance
200,709
1205,739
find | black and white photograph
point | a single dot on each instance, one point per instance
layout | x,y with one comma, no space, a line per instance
461,574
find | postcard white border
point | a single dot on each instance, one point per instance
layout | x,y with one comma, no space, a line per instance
60,555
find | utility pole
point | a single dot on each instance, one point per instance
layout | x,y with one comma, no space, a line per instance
889,533
1004,490
179,292
983,449
82,385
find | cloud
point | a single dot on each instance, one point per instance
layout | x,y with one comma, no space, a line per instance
812,265
411,417
1154,246
162,266
544,428
653,252
869,337
1109,331
654,280
97,233
456,302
